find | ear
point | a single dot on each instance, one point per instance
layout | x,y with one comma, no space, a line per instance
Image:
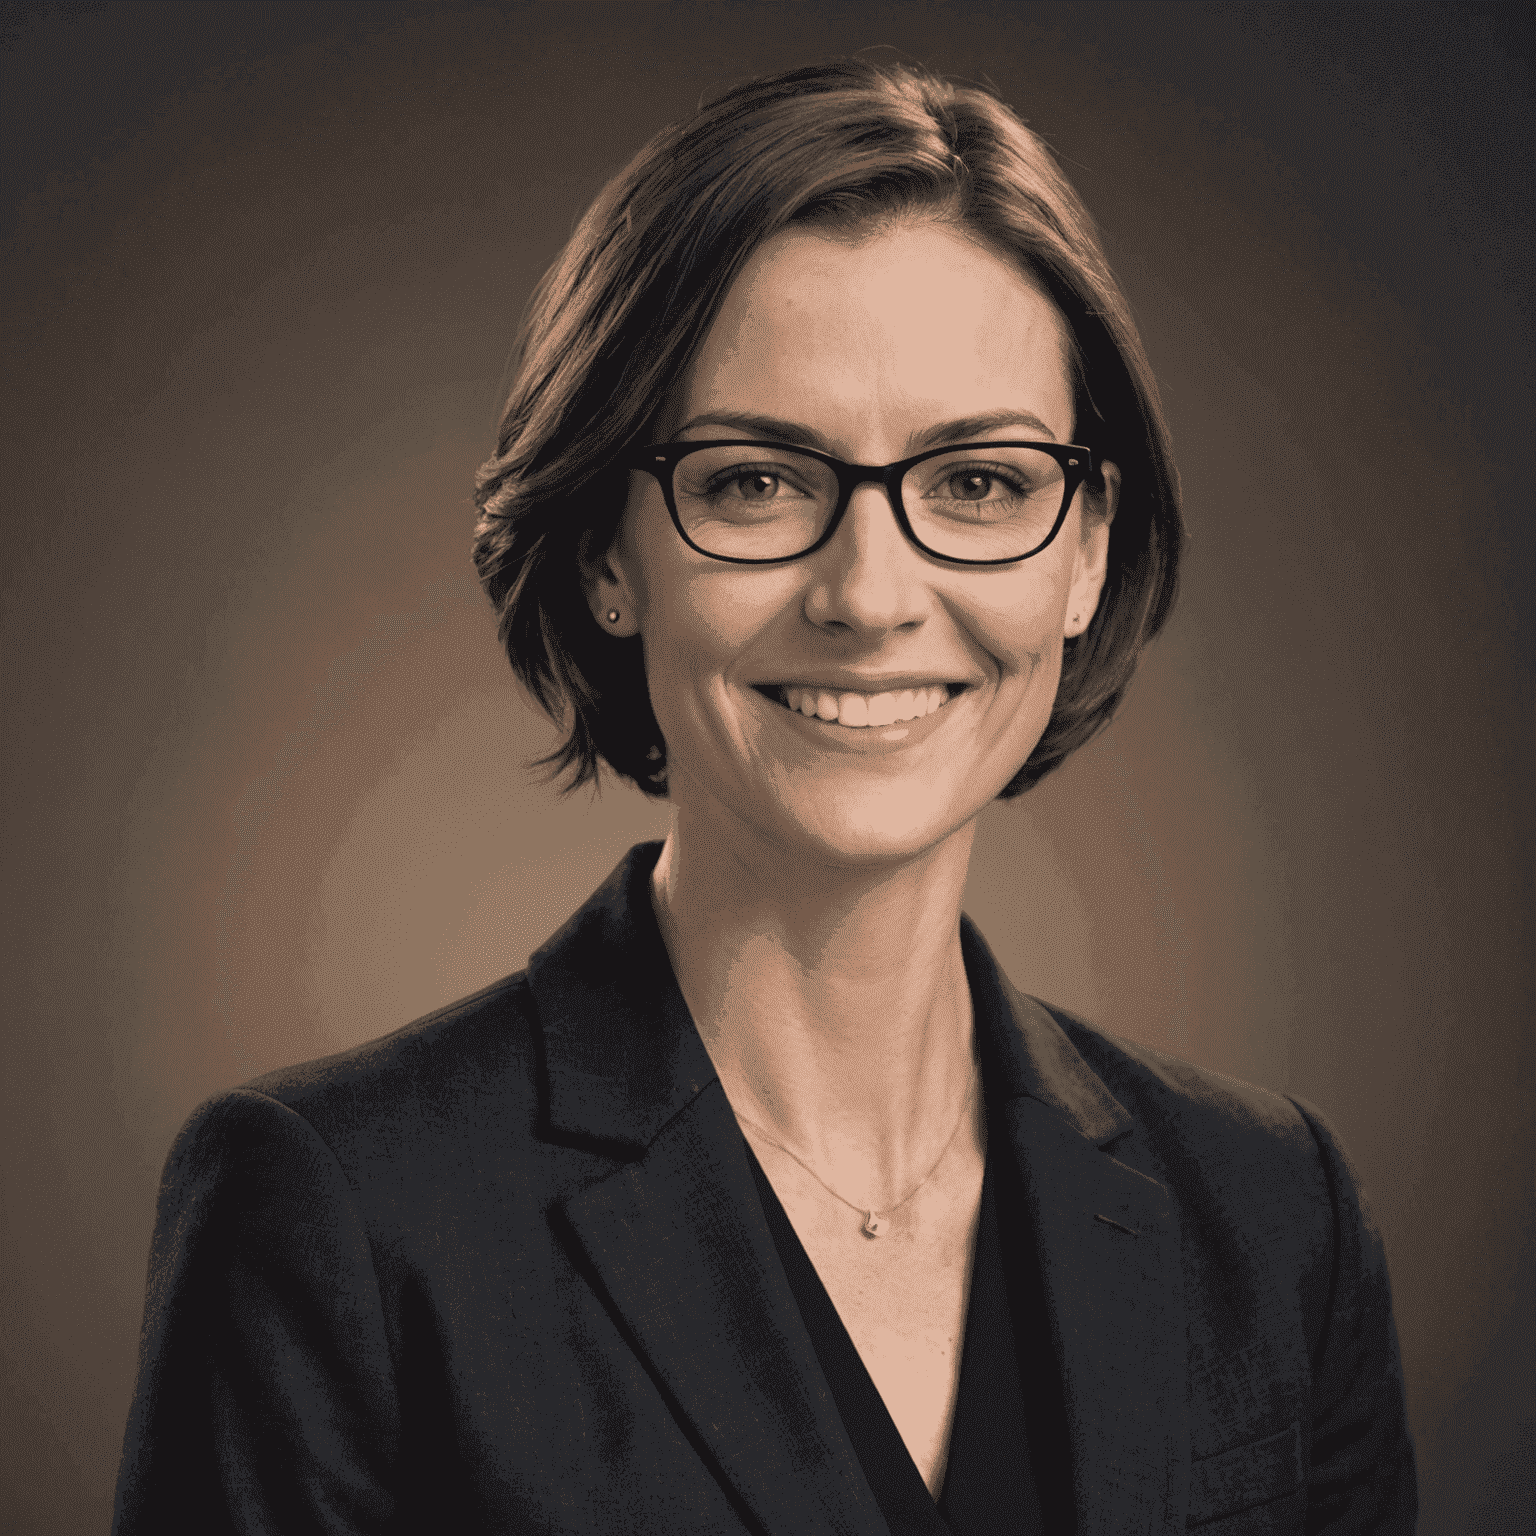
1091,558
607,589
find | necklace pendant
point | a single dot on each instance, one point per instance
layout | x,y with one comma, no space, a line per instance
874,1225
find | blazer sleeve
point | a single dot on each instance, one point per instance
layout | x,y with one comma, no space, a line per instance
266,1398
1361,1476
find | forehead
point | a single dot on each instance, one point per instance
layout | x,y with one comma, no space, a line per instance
880,337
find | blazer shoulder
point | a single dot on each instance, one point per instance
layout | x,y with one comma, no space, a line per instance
439,1079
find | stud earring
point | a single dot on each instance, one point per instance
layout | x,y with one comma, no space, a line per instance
613,615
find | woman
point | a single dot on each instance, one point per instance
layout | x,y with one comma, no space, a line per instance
832,501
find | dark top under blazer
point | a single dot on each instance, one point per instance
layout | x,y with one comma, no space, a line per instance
506,1270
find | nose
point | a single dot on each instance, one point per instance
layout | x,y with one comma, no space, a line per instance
868,579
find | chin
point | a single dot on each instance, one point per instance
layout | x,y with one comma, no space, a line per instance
856,830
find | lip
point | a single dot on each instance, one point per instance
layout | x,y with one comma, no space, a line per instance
829,736
839,680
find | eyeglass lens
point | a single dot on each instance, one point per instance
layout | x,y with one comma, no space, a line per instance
995,502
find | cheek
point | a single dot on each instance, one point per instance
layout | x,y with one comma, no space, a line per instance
702,627
1019,622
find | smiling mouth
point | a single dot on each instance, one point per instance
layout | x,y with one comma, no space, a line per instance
861,710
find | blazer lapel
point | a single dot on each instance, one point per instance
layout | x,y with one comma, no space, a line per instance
1117,1319
674,1239
1109,1249
679,1243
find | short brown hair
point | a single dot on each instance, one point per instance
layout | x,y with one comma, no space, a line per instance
618,317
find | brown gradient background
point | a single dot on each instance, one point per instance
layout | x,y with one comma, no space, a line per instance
264,794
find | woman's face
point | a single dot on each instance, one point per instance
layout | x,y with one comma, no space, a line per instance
870,350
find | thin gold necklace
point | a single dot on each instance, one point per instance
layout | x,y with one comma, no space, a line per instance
876,1223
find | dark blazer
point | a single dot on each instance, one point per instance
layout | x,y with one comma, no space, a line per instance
506,1270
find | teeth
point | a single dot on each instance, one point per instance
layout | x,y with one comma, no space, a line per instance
865,709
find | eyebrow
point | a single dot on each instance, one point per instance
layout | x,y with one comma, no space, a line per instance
779,430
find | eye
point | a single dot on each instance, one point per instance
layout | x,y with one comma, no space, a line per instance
970,485
757,485
976,485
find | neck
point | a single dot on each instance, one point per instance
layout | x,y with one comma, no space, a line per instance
832,998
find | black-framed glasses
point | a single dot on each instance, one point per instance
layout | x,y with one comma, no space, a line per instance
755,503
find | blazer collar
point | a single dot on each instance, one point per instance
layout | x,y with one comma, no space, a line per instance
622,1055
676,1244
1025,1053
